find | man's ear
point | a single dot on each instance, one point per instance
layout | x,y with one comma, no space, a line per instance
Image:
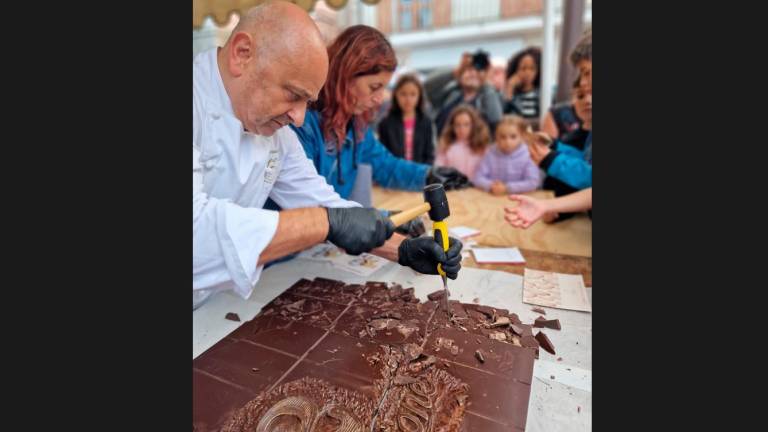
242,52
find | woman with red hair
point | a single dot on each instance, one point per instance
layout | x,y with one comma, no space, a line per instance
337,136
336,133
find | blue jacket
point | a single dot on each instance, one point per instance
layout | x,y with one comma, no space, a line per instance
569,164
388,171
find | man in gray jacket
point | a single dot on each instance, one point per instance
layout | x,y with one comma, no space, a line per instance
472,89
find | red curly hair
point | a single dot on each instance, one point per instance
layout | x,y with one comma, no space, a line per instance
358,50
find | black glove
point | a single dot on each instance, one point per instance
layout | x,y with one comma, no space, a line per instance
358,230
423,254
449,177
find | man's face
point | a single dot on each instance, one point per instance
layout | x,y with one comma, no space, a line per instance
275,93
471,79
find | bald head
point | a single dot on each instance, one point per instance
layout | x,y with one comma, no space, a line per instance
275,57
282,29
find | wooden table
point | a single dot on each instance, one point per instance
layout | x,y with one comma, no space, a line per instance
564,247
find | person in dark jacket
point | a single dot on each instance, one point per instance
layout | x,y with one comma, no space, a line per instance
407,131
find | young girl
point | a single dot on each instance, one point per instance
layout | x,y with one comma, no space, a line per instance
507,166
464,140
521,93
407,129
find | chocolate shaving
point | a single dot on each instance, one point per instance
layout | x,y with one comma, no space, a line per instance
480,356
539,310
232,317
501,321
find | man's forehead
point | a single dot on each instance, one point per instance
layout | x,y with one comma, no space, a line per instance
304,89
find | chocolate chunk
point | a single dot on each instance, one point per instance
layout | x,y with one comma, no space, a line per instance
437,295
307,346
516,329
232,316
539,310
475,300
545,342
543,322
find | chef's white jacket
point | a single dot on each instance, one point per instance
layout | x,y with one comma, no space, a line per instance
233,173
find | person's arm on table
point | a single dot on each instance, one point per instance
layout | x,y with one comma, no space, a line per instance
297,229
529,209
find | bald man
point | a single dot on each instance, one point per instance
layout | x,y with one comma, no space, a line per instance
243,95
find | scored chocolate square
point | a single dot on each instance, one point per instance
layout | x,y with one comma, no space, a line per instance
274,331
244,364
310,311
326,289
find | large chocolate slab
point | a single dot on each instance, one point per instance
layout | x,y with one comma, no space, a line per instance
328,354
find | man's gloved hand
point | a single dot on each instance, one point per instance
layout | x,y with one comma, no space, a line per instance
358,230
449,177
423,254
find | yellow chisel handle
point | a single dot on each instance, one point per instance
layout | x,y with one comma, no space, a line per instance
440,232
